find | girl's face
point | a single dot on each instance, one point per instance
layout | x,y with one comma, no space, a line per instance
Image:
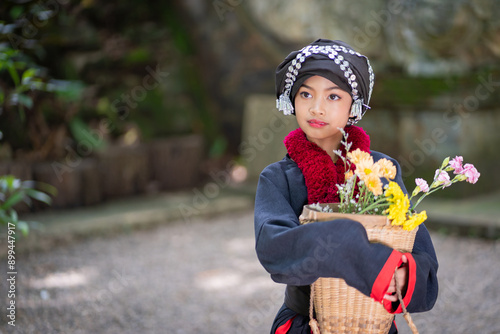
321,107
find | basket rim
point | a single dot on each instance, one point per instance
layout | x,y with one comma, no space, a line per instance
310,214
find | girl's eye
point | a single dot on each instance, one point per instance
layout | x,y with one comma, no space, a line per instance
305,95
333,97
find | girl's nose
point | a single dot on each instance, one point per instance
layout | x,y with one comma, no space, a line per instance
317,107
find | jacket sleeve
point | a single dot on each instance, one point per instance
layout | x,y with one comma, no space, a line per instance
299,254
422,288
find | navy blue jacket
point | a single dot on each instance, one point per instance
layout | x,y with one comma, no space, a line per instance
297,255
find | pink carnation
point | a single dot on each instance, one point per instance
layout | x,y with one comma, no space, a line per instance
456,164
443,177
471,172
422,184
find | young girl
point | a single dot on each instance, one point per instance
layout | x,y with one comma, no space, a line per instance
328,85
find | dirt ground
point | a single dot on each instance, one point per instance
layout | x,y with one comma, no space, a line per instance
204,277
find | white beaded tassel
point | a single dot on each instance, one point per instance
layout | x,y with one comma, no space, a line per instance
284,104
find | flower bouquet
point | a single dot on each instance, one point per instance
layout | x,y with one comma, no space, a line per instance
389,217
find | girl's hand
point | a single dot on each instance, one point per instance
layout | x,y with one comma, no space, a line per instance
402,276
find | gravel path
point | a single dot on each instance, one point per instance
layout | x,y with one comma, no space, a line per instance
203,277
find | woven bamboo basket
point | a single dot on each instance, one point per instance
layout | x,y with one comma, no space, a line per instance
341,308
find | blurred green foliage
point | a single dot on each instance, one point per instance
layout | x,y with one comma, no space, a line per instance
396,91
25,84
117,63
14,191
27,77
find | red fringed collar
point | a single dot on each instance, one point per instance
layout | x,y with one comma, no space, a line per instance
320,173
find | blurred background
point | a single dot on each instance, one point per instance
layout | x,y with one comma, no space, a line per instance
122,98
119,99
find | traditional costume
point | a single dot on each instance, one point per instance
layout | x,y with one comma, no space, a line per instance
296,254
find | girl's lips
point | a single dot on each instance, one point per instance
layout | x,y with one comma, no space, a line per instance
316,123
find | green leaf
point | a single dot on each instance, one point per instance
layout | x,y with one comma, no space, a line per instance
8,28
445,162
219,146
9,183
28,74
39,196
83,134
13,200
16,12
28,201
33,84
24,227
28,184
137,56
47,188
13,216
26,101
13,73
21,63
4,187
4,219
68,90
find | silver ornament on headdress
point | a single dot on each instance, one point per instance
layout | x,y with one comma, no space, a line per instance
358,109
284,103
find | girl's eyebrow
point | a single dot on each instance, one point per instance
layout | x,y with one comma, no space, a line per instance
330,88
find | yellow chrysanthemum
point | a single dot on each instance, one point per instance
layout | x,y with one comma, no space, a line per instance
397,213
373,183
386,169
394,192
399,203
415,220
357,156
366,168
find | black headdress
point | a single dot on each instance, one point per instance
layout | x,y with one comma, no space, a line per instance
334,60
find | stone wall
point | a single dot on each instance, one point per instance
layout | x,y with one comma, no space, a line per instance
420,140
264,129
168,164
423,37
430,47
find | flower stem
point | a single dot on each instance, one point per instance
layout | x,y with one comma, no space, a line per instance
377,204
430,192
